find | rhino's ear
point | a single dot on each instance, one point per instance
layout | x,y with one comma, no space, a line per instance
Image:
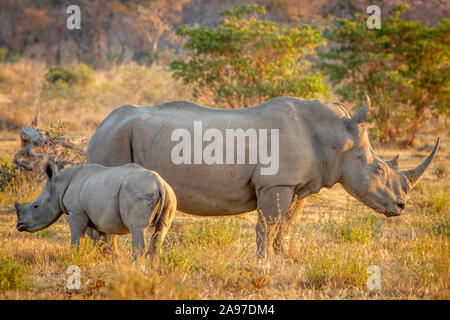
361,115
51,169
393,163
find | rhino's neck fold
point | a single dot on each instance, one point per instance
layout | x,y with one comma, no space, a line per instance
331,171
330,152
62,182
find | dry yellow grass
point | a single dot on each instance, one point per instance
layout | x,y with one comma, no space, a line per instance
332,242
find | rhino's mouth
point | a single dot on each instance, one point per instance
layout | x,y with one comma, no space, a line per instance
379,206
21,227
391,214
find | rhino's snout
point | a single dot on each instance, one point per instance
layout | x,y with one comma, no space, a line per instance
400,207
397,211
21,226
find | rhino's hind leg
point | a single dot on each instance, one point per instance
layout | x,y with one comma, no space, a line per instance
281,237
138,242
273,205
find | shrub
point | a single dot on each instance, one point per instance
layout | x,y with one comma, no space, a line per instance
246,60
403,67
11,275
360,229
58,75
144,57
84,74
8,172
3,54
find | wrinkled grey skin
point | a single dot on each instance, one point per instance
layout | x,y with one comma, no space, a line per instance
114,200
320,145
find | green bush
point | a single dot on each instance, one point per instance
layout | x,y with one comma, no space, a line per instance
3,54
144,57
11,275
247,60
58,75
403,67
84,74
8,171
360,229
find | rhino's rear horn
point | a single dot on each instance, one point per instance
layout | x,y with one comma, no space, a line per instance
361,115
415,174
393,163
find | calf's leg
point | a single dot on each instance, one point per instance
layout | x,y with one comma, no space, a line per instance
78,222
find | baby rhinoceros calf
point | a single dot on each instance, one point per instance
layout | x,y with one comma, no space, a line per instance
112,200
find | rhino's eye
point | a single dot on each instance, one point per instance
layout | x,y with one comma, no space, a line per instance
379,169
36,206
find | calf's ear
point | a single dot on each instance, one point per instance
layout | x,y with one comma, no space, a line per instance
51,169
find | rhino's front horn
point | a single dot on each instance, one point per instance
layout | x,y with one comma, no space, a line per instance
415,174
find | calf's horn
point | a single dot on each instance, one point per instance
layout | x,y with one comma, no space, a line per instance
415,174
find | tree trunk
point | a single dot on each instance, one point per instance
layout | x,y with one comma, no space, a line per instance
414,128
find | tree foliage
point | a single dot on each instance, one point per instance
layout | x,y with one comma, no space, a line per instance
404,67
246,60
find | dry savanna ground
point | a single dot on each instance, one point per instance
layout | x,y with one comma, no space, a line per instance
332,243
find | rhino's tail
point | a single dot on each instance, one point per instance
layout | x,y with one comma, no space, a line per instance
161,203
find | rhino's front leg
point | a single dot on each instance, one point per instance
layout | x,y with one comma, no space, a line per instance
78,222
285,226
273,204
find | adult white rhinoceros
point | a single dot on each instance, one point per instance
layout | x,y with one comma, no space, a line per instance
319,146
